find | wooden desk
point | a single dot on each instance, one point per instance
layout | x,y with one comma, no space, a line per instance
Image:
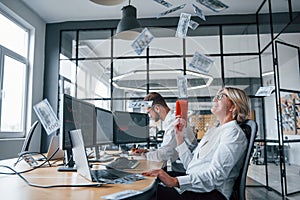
12,187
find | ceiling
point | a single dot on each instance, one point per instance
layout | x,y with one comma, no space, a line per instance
52,11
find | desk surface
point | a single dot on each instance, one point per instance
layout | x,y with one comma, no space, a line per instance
14,188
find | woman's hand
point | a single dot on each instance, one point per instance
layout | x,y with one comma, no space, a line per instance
164,177
180,123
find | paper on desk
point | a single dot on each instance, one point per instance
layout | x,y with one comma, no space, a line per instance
135,157
122,195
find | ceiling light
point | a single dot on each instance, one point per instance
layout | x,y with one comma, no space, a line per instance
139,73
107,2
128,27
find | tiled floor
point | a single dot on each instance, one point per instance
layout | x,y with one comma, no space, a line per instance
257,177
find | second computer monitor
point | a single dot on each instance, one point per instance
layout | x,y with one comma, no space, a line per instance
104,126
130,127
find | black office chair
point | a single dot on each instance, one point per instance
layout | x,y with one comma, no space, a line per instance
250,129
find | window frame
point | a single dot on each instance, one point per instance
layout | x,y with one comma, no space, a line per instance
23,60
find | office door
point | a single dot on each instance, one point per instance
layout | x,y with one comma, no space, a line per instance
288,68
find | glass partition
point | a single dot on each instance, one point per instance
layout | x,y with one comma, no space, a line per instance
288,60
288,66
93,79
242,72
264,25
68,45
280,15
240,38
165,43
94,43
122,48
206,41
295,8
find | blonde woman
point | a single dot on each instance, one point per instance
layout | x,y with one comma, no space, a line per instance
211,169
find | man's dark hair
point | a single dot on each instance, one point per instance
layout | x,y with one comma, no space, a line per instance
156,98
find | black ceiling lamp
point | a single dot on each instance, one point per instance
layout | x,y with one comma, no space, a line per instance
128,27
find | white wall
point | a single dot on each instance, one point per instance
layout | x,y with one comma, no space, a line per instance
11,147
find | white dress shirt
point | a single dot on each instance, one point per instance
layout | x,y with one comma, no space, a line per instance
216,162
167,149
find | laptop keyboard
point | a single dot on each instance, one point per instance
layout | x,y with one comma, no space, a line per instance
115,176
123,163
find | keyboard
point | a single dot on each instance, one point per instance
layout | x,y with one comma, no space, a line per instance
123,163
114,176
103,158
111,174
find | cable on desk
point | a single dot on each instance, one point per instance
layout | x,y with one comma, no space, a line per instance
29,170
29,153
49,186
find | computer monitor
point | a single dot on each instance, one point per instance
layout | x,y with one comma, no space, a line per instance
130,127
104,126
76,114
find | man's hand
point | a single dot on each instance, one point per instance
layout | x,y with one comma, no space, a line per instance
164,177
136,151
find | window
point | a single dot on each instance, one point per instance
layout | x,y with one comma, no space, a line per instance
14,40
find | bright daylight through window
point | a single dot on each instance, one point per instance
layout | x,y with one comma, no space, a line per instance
13,77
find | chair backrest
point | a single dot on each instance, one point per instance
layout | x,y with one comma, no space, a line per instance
250,129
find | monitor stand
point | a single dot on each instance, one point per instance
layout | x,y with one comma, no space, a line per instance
70,164
101,156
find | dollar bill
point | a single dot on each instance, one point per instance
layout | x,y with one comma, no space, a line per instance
183,25
47,116
182,87
140,104
170,11
193,25
214,5
199,12
201,62
265,91
142,41
164,3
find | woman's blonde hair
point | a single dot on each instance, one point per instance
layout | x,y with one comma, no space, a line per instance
241,101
